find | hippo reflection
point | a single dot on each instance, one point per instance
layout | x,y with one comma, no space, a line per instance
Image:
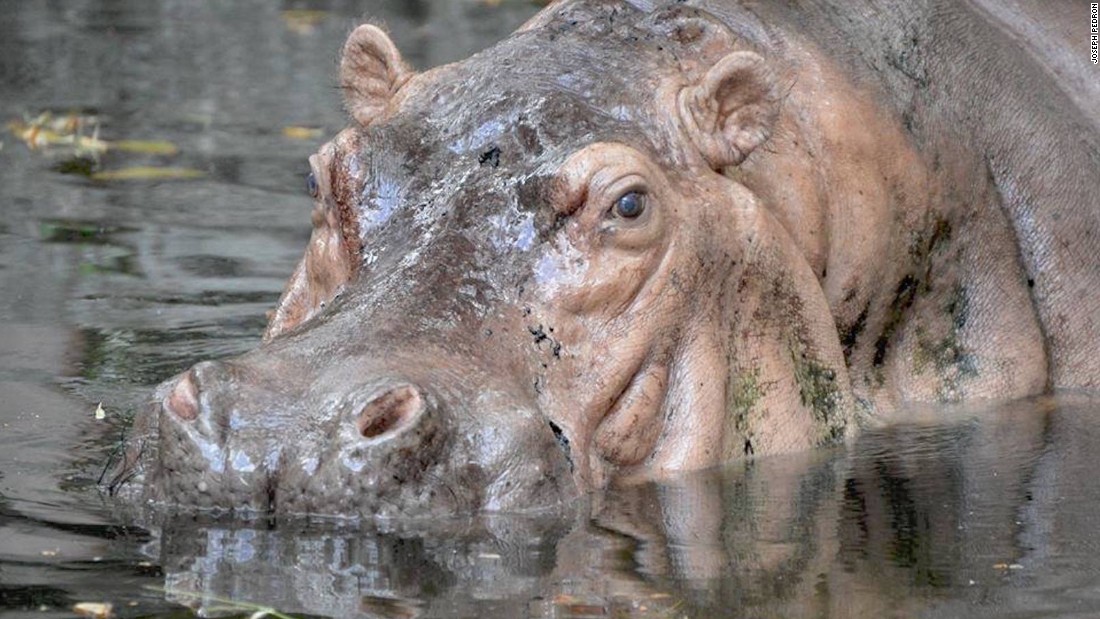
643,237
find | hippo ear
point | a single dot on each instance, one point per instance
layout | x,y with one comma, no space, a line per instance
371,71
732,109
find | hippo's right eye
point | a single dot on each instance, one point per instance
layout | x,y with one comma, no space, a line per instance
312,186
630,205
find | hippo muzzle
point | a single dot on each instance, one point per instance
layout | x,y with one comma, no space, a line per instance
250,438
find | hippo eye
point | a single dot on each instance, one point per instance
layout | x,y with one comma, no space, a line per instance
630,205
311,185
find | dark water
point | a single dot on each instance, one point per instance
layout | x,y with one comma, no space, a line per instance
109,286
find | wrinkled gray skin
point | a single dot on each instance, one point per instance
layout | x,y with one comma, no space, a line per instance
430,380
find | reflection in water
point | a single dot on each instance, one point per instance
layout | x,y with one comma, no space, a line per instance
108,288
965,514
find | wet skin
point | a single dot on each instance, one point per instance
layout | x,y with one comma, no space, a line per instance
633,240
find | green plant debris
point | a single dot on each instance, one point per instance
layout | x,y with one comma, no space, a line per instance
147,173
71,231
79,166
145,147
77,231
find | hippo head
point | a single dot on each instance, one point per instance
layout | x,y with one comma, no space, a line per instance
527,277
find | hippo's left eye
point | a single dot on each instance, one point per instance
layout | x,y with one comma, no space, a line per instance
312,186
630,205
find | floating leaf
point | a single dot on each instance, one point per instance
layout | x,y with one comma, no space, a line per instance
37,136
303,21
69,123
302,133
31,134
84,146
148,173
146,147
95,610
1007,566
46,131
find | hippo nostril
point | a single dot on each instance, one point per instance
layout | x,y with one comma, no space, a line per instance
390,411
183,400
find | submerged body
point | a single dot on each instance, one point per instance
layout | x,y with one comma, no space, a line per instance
640,237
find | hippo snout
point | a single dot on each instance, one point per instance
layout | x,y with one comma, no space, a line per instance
226,438
249,438
388,412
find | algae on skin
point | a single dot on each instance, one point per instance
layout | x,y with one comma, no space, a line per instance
819,392
745,391
947,357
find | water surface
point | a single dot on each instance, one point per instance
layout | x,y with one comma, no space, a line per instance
110,286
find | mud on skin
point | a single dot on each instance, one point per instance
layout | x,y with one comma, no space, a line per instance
639,238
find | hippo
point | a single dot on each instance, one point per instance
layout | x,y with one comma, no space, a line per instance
640,237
